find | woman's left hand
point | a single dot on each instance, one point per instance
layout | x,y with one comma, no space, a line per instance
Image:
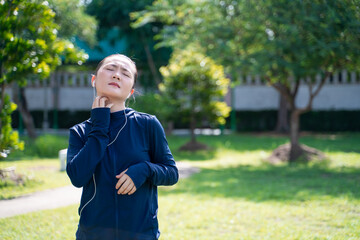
125,184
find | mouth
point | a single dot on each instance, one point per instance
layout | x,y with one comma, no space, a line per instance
114,84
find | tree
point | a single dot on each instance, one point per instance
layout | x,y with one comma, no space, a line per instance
71,22
116,14
285,42
194,87
29,47
9,139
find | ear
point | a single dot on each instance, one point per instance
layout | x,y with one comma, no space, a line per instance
132,91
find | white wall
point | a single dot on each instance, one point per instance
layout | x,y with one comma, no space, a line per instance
330,97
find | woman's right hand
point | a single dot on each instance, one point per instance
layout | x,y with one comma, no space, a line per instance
100,102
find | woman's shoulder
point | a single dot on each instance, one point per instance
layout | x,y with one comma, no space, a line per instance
149,121
143,115
81,128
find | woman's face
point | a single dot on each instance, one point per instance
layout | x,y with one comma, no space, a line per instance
115,78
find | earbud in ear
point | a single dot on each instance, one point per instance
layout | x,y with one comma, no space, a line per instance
132,91
93,80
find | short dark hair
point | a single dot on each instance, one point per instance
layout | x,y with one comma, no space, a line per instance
119,55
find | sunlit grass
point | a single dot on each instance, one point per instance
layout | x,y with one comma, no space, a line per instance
59,224
39,175
238,196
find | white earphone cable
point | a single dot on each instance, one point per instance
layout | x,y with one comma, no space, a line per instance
91,198
119,130
94,174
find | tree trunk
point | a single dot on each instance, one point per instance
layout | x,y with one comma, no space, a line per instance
295,149
2,95
2,99
151,64
169,127
192,128
282,125
20,99
150,59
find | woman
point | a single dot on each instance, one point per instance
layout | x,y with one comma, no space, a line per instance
119,156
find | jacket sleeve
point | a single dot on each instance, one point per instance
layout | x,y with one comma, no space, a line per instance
83,157
162,169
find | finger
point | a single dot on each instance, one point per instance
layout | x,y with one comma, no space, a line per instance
95,103
129,188
132,190
121,174
124,186
102,101
98,101
120,182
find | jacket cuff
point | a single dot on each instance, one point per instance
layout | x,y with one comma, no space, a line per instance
138,173
100,117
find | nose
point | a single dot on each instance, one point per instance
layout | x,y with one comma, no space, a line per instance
116,76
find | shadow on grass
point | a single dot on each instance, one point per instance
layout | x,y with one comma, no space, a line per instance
236,142
347,142
253,142
271,183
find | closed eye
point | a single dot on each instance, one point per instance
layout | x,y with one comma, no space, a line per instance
125,72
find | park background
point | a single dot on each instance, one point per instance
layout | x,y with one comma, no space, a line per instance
237,193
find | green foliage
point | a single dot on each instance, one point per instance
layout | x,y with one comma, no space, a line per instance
29,47
194,87
151,103
73,21
49,145
9,140
140,42
281,41
45,146
29,42
145,103
275,39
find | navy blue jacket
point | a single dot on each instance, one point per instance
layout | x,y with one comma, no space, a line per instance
142,148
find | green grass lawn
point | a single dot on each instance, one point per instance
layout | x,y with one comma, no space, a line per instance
236,195
40,174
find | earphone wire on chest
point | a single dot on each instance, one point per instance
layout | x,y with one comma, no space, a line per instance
94,173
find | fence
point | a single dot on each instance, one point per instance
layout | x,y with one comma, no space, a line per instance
73,91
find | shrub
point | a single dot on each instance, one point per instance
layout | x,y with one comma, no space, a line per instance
50,145
45,146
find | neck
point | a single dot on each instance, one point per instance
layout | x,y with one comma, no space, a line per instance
118,107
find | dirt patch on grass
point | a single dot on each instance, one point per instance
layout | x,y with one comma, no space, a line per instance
282,154
9,175
40,168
